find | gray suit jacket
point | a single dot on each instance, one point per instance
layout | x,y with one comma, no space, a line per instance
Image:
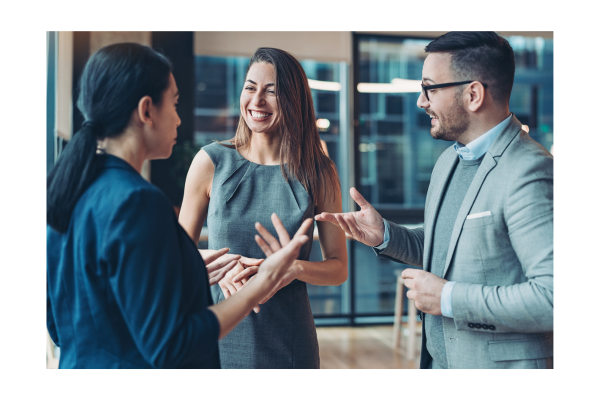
502,263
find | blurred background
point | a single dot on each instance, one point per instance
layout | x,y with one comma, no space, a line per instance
365,87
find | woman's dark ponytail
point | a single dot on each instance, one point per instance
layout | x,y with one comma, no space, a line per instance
114,80
73,172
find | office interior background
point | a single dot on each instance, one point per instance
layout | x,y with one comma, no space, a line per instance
365,87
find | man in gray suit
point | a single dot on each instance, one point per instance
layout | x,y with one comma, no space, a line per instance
486,246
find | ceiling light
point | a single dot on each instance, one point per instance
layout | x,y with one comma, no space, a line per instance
397,86
324,85
323,124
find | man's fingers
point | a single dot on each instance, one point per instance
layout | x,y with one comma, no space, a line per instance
215,255
263,245
408,273
273,243
342,224
359,199
327,217
248,272
410,283
284,236
353,227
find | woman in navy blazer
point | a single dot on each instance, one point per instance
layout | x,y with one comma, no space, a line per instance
126,286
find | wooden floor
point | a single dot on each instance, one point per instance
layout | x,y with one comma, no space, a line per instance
361,347
353,347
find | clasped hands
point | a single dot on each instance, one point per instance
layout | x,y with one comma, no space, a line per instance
237,271
367,226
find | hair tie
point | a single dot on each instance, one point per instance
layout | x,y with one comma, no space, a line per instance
91,125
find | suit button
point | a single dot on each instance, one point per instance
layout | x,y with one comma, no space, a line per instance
471,325
484,326
478,326
492,327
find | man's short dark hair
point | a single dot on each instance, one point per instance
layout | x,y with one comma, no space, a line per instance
482,56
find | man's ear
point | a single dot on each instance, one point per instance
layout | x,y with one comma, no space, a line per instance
476,93
144,110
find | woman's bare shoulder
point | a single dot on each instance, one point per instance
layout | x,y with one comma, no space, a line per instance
201,173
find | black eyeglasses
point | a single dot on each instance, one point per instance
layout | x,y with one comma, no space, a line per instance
425,88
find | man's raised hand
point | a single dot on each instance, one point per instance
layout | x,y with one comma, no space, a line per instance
365,225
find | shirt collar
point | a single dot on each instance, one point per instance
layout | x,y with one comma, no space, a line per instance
478,147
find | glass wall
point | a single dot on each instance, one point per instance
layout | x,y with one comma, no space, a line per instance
396,152
532,98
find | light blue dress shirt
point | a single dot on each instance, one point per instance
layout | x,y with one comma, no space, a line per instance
472,151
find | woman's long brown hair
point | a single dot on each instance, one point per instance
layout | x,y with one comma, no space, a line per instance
299,137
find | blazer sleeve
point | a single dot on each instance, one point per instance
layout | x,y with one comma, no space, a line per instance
405,245
154,288
526,306
50,323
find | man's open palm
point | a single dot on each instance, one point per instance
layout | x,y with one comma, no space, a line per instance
365,225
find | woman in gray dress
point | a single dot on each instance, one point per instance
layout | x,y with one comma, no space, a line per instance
274,164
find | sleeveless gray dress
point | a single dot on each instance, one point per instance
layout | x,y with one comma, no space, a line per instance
282,334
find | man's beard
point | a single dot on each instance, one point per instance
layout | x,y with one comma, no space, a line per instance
454,123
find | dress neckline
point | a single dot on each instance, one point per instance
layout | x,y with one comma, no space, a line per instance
252,162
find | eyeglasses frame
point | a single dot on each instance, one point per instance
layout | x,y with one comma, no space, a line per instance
425,88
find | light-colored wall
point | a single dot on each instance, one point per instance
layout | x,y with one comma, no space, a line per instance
320,46
100,39
434,34
64,86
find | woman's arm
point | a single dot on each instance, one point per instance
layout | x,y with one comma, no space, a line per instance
196,197
333,270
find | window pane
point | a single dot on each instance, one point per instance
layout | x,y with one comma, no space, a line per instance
395,168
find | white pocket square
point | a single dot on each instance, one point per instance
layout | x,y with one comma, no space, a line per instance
479,215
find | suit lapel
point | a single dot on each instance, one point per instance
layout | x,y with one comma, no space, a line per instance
484,169
489,163
439,182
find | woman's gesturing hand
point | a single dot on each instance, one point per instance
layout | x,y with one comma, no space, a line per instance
231,284
366,225
280,253
250,268
219,263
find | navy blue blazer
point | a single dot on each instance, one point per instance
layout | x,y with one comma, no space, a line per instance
127,287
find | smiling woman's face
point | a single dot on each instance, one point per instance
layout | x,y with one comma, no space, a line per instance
258,101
